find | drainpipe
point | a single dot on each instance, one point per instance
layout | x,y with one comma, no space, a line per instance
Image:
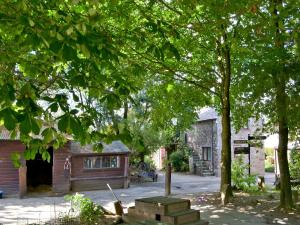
212,146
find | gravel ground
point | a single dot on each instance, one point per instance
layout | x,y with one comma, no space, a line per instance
41,208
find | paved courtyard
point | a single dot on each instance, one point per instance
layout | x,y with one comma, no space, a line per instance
33,210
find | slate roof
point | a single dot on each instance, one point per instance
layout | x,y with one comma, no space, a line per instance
114,147
207,113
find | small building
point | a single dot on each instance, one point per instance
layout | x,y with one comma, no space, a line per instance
71,168
204,138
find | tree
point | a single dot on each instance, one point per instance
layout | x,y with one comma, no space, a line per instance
270,81
196,44
58,59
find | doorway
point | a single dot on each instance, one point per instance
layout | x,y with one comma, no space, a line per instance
39,173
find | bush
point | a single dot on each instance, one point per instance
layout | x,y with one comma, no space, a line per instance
240,177
294,164
89,213
269,167
150,162
180,159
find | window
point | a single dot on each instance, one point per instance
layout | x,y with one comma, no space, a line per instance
206,153
98,162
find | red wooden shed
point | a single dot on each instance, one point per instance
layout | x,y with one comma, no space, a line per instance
71,168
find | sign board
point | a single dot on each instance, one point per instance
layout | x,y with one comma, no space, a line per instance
240,143
242,150
256,137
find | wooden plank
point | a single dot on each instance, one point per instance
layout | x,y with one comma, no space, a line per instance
95,178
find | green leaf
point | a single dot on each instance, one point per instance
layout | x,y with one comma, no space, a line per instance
9,119
124,90
48,99
74,111
75,126
54,107
56,46
85,51
75,97
25,125
27,154
98,147
174,51
69,53
35,126
31,23
46,156
33,153
64,123
170,87
48,134
16,159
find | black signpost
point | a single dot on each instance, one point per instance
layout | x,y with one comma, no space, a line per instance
246,149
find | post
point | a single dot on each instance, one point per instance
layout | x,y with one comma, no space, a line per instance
249,157
168,173
126,173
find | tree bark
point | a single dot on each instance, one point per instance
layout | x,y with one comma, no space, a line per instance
225,189
280,80
286,200
125,114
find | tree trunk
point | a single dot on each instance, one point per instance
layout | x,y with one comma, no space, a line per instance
225,189
286,200
125,114
168,172
279,78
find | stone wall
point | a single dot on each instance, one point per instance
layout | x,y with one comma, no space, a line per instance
207,131
203,134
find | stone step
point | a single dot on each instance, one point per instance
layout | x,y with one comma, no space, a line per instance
151,222
160,205
199,222
182,217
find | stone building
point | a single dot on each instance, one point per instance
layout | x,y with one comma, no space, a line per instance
204,138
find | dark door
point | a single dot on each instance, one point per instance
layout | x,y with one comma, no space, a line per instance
39,172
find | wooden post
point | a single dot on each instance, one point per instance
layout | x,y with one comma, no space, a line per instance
168,179
22,181
126,173
168,172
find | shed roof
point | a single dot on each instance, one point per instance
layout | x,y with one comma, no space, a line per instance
114,147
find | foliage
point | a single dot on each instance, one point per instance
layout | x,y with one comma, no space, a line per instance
269,81
59,61
295,164
89,212
180,158
269,152
269,164
269,168
240,177
150,162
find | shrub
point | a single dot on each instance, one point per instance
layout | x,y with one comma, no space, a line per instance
294,164
180,160
240,177
269,167
89,213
